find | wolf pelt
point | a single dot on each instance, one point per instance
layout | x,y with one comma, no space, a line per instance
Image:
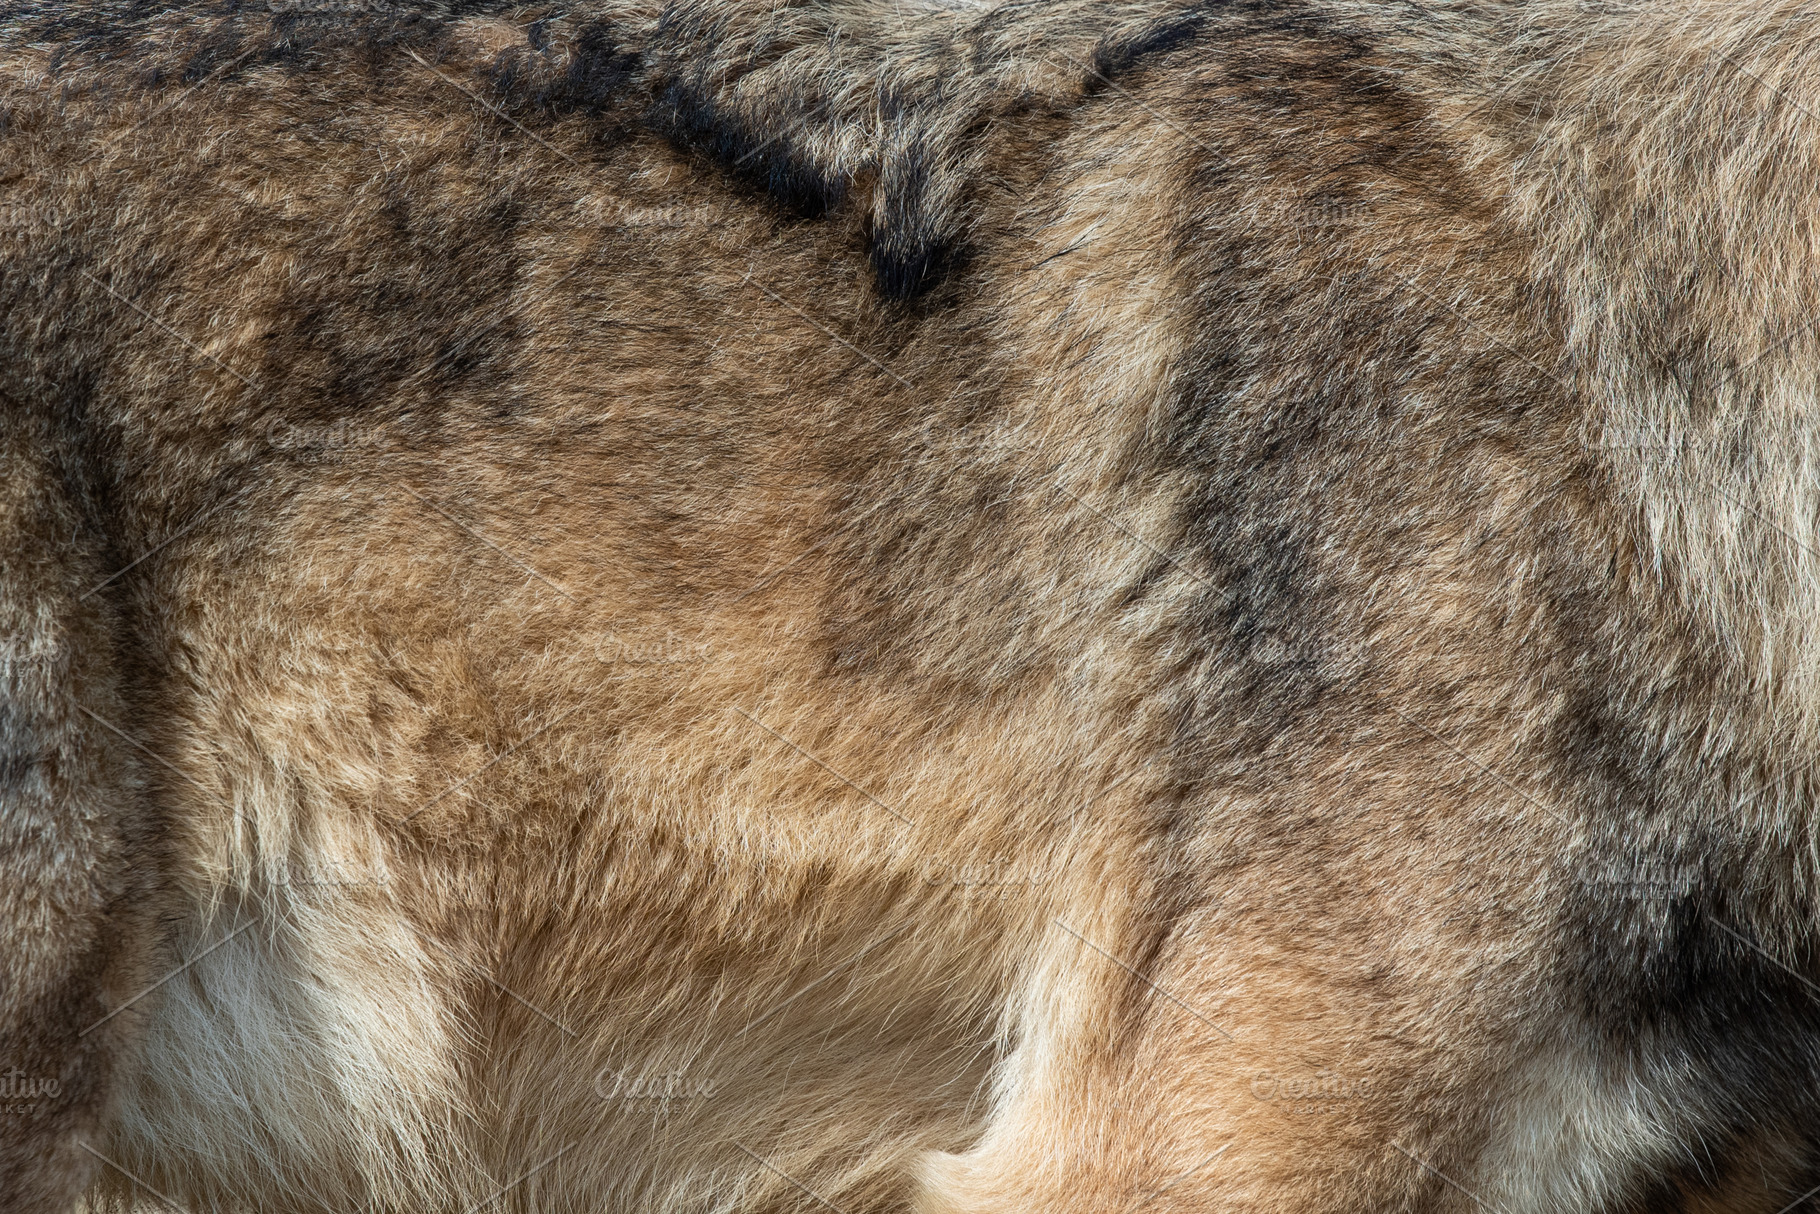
909,606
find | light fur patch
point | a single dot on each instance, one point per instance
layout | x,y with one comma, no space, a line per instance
309,1060
1575,1132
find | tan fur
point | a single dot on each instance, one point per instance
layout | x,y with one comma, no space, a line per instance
942,608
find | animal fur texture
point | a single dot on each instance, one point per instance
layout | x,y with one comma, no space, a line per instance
928,607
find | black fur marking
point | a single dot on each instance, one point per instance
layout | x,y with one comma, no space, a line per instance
605,77
599,72
907,255
689,117
1114,57
907,275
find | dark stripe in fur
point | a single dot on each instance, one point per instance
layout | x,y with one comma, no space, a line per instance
677,78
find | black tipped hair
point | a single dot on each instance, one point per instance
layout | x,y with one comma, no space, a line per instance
1116,56
771,161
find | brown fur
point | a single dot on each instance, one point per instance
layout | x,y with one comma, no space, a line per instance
910,607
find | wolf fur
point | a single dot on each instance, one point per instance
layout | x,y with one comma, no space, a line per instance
959,608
